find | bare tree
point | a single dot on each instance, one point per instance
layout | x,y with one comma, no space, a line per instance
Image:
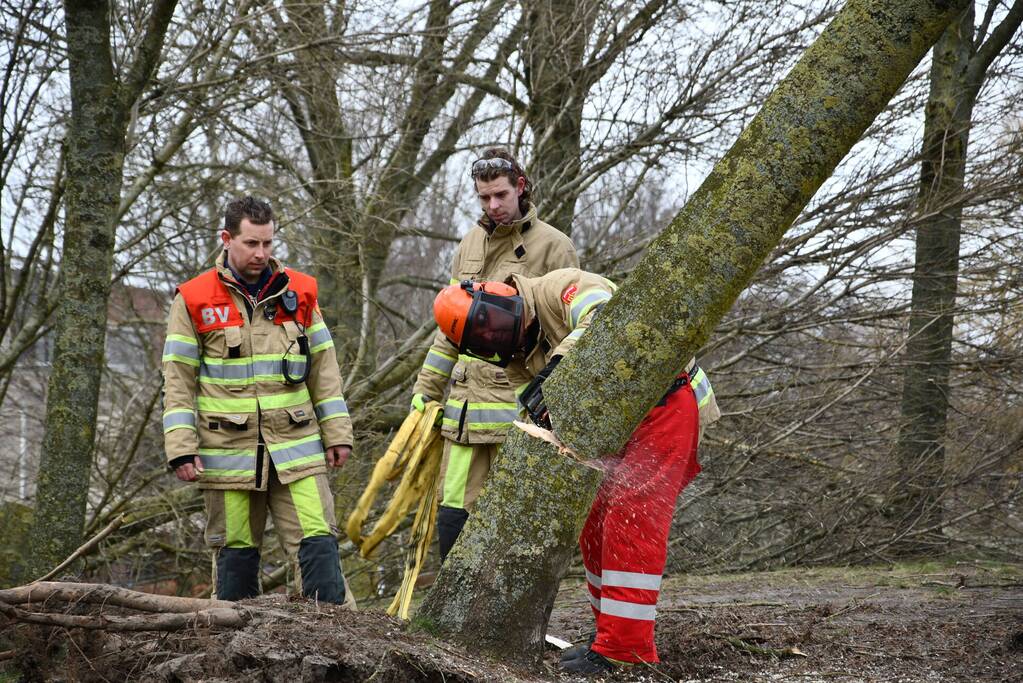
101,105
961,60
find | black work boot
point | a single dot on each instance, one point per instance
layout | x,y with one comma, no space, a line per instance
591,664
449,525
321,569
577,651
237,573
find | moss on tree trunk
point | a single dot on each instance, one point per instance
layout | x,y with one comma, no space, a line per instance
514,550
100,104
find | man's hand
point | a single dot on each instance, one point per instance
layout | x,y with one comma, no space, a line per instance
337,455
190,471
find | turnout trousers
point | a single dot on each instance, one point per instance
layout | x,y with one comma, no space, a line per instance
303,517
463,470
624,541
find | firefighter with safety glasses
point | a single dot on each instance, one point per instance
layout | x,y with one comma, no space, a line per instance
253,409
507,239
526,326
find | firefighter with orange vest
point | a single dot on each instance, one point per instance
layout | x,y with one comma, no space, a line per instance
509,238
527,325
253,409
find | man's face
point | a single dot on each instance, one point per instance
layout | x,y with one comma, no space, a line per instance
248,252
499,199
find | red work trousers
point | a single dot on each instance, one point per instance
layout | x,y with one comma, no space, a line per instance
625,539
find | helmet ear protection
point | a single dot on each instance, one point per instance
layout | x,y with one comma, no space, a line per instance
483,319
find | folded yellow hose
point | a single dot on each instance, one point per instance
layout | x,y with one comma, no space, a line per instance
414,453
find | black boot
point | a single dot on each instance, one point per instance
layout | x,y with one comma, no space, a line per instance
237,573
592,664
577,651
321,569
449,525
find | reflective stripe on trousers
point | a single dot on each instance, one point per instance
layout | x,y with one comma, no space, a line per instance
624,553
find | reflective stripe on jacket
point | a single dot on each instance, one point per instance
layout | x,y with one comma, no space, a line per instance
224,361
481,404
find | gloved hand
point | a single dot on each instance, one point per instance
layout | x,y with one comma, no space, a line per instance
419,402
532,396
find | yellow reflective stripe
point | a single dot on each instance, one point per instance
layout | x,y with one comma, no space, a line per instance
702,388
227,405
456,474
454,281
584,302
439,363
295,398
168,357
305,496
238,527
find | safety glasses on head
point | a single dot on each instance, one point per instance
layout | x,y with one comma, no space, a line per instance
480,166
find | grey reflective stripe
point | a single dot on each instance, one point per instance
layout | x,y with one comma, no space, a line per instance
173,347
302,450
331,408
650,582
575,334
233,371
629,610
453,411
701,387
584,303
320,336
269,367
184,418
593,579
492,415
594,600
245,463
442,365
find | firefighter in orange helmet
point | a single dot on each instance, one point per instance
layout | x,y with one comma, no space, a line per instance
527,326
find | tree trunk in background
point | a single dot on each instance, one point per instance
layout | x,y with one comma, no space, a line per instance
957,73
514,550
311,92
557,36
100,106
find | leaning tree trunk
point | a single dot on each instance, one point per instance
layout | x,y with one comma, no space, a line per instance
957,73
497,586
100,105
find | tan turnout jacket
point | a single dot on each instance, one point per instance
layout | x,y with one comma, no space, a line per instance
564,303
217,402
481,403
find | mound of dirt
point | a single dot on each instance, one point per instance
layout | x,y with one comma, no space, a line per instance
951,624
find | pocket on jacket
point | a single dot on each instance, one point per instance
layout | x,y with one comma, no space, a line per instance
293,422
470,268
226,430
459,372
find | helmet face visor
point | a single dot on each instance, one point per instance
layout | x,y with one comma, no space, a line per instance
493,328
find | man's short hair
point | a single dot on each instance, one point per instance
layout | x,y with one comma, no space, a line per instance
257,211
513,174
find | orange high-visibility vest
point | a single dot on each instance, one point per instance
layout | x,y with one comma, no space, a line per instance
211,307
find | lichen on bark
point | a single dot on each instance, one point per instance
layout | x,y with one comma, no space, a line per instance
694,271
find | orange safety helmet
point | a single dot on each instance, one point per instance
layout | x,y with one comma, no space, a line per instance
483,319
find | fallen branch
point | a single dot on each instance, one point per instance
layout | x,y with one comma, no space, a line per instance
697,606
740,644
103,594
217,616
